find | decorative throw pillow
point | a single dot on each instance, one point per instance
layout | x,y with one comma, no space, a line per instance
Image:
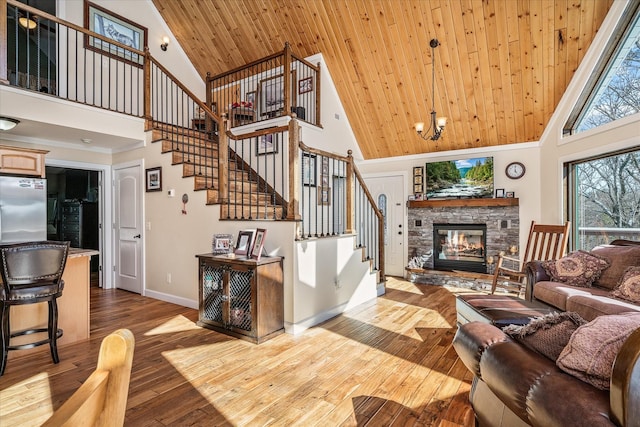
549,334
629,286
579,268
593,347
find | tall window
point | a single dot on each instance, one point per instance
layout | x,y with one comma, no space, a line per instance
604,199
614,91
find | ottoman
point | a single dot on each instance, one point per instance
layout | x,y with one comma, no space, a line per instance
499,310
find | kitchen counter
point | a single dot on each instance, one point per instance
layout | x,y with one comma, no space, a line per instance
73,306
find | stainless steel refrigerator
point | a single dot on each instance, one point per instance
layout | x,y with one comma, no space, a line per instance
23,209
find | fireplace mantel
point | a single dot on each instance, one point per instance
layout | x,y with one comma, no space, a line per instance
501,201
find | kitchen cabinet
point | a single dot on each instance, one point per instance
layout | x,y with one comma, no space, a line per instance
22,161
241,297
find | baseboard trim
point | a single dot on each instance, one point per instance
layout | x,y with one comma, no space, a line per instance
185,302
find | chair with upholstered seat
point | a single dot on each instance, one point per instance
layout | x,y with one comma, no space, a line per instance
546,242
31,274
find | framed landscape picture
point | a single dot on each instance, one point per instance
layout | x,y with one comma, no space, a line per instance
116,28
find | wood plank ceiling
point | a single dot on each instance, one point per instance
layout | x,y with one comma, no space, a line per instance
501,69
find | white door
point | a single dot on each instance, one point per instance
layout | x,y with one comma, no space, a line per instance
128,228
388,193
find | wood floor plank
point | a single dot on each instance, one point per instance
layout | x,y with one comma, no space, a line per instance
389,362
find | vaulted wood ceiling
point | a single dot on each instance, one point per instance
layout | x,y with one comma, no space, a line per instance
501,69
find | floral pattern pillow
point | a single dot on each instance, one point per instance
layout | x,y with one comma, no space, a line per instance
629,286
578,268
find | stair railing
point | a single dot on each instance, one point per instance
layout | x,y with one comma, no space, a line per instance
334,200
178,116
254,185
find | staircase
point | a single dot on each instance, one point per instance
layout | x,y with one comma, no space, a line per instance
249,196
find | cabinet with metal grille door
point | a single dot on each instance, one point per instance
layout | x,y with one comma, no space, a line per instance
241,297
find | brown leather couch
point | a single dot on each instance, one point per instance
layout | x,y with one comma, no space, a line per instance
514,386
591,302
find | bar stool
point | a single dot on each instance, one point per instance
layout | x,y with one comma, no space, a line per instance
31,273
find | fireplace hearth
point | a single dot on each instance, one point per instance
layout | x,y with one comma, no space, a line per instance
460,247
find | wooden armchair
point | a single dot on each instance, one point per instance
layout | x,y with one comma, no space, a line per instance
102,399
546,242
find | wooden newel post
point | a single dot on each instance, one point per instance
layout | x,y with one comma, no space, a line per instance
351,211
147,87
223,162
295,174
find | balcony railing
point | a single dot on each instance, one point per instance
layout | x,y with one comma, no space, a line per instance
278,85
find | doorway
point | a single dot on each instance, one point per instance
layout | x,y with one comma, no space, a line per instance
74,211
388,192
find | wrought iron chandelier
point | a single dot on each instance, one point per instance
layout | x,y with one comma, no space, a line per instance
437,123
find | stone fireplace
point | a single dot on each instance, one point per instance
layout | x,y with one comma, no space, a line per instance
501,217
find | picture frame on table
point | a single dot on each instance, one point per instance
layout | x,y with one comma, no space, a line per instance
308,169
153,179
243,242
258,244
267,144
499,193
117,28
222,244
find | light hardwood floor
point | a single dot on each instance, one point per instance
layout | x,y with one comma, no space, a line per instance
385,363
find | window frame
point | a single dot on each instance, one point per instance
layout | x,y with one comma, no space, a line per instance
601,72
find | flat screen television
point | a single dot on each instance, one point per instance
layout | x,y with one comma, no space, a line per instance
465,178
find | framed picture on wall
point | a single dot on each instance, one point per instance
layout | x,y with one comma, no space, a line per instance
267,144
305,85
153,179
309,169
116,28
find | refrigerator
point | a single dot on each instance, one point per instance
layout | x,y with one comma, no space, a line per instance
23,209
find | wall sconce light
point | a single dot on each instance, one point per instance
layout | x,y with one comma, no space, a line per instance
165,43
7,123
28,23
437,123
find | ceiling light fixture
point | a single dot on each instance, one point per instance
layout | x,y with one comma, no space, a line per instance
165,43
437,124
7,123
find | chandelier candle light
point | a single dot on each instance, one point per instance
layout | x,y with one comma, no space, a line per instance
437,124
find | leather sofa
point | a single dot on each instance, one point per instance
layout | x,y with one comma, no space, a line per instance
514,386
587,302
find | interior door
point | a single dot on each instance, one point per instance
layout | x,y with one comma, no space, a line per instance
388,193
128,228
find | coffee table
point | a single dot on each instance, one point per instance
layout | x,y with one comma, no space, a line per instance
499,310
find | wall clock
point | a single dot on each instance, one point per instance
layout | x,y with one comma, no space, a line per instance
515,170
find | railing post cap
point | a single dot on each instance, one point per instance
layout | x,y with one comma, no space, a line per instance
349,152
